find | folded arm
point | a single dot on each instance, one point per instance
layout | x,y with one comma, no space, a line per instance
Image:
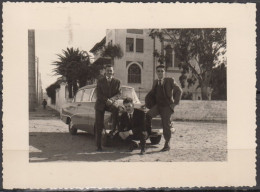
177,92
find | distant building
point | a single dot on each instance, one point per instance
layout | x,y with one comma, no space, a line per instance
137,67
31,70
34,77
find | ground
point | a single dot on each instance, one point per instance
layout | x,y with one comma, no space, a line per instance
192,142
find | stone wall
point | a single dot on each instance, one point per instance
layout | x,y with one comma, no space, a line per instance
201,111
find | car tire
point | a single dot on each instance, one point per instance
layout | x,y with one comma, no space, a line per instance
155,140
72,130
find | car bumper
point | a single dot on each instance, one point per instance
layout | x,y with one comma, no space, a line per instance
156,132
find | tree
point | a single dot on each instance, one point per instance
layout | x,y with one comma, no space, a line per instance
219,83
74,65
112,51
51,91
199,50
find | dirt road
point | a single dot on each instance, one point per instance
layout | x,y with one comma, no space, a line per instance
193,141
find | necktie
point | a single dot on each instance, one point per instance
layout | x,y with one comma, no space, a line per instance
130,117
160,82
109,81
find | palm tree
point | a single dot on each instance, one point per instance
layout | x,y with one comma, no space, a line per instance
74,65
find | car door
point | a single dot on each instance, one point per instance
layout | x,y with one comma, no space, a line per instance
92,110
84,109
74,108
107,115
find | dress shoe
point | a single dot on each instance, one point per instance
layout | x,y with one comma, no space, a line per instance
99,149
165,148
142,152
133,146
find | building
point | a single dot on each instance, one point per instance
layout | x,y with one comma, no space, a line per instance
31,70
34,77
137,66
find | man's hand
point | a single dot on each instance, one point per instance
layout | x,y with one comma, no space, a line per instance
145,134
130,132
173,106
109,102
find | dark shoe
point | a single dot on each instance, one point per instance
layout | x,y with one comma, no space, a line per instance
132,146
142,152
99,149
165,148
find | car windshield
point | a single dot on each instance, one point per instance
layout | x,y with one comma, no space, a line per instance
126,92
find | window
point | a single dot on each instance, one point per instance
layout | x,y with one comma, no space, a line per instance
168,56
129,44
86,95
78,96
140,45
134,74
135,31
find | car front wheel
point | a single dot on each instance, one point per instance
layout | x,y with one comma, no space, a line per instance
72,130
155,140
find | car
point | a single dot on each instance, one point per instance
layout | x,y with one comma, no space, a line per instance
80,113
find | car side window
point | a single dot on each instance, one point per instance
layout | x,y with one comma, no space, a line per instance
86,95
78,96
94,97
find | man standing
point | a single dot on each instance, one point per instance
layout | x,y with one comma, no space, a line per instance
162,99
108,91
44,103
132,125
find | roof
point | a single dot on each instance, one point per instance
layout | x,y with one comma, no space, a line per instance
98,45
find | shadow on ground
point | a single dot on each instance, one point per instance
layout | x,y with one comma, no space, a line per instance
60,146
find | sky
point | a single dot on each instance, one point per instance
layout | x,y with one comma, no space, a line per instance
48,43
69,31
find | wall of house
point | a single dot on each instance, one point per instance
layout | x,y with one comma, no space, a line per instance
60,96
201,111
145,61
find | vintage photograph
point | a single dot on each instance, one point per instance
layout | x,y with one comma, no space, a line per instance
160,97
136,95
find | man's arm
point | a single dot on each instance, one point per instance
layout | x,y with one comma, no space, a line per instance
177,92
118,92
122,122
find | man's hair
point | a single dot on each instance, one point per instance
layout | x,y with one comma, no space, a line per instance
109,65
128,100
160,66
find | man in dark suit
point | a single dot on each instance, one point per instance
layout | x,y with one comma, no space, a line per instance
132,125
161,100
108,91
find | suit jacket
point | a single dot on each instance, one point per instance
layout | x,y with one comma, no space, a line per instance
170,90
137,125
105,92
